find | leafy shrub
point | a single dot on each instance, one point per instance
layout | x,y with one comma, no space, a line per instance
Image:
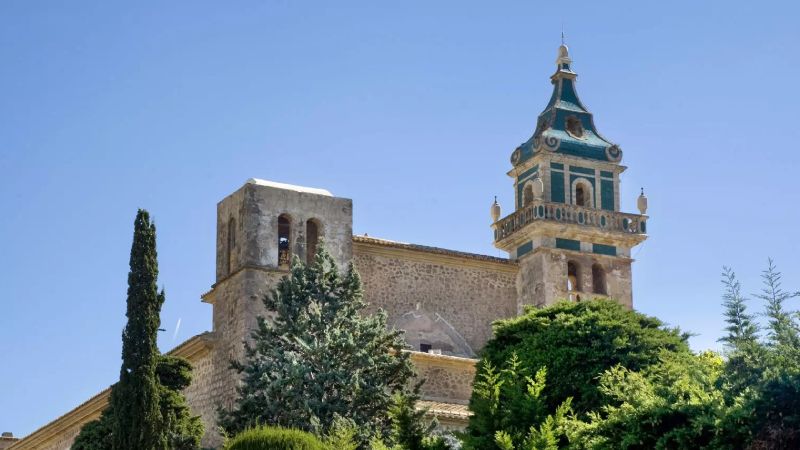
577,342
274,438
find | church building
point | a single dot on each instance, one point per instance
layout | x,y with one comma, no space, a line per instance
565,236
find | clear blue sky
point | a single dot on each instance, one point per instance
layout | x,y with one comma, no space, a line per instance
410,108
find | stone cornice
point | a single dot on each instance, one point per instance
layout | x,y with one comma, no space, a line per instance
579,254
543,159
430,359
191,349
380,247
195,347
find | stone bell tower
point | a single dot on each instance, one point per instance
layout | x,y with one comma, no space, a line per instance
260,228
567,231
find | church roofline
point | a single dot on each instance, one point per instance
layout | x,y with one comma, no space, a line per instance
368,240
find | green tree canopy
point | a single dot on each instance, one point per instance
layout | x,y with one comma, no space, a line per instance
576,342
510,411
671,405
749,401
319,359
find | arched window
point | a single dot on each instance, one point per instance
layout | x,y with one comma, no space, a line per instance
284,241
231,244
312,239
580,195
599,279
573,278
527,194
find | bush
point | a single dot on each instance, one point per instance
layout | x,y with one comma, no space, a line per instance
576,342
274,438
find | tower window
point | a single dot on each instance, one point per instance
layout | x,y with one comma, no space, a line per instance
527,194
573,277
284,240
580,195
231,244
598,279
312,239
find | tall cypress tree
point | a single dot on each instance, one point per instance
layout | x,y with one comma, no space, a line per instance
135,399
147,410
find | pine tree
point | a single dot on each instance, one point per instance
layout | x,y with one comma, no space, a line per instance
745,352
135,398
783,332
318,360
410,429
742,329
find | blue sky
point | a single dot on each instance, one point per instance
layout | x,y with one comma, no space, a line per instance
410,108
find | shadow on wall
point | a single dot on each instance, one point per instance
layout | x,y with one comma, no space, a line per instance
431,333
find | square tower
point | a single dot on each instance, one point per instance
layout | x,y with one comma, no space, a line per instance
567,231
260,228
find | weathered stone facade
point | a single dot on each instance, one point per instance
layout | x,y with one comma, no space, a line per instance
455,295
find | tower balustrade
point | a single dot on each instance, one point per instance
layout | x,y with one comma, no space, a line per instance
610,221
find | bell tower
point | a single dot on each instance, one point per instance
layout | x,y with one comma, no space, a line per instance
567,231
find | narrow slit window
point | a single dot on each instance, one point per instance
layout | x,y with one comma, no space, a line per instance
284,241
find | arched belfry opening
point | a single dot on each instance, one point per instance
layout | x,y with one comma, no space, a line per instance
527,194
573,280
312,239
231,245
284,241
599,280
580,195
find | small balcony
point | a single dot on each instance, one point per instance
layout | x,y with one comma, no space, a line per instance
631,226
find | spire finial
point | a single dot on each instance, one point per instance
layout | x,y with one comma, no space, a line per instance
563,42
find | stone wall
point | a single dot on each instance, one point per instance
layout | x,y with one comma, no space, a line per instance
237,304
448,379
461,293
542,279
